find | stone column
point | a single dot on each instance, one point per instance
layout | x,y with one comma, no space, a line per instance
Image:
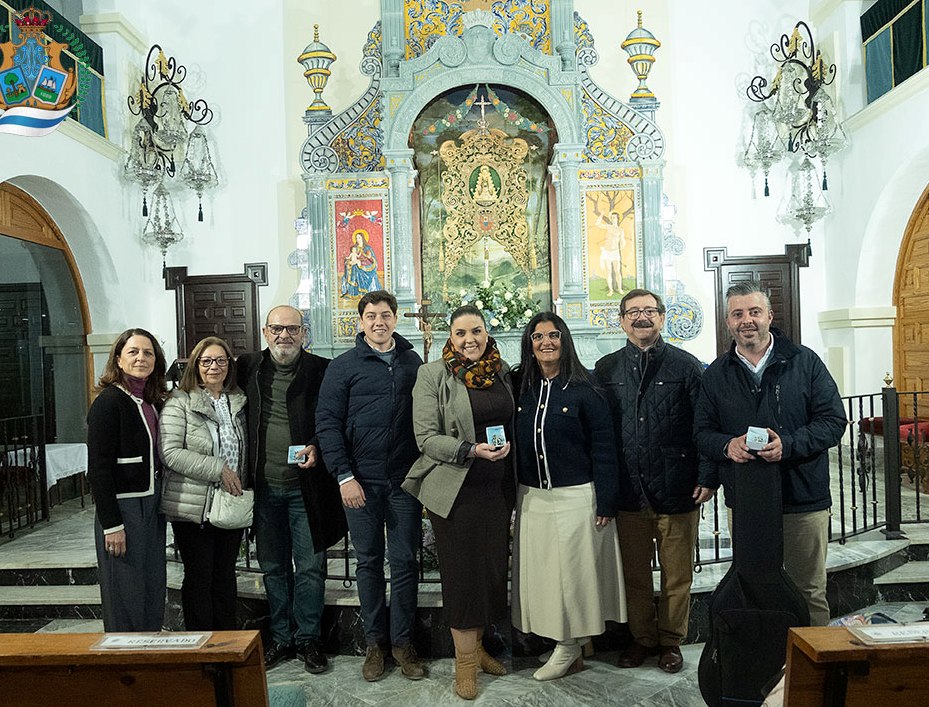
318,272
399,164
564,169
652,237
563,44
392,36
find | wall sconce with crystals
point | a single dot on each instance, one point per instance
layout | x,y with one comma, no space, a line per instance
160,140
796,106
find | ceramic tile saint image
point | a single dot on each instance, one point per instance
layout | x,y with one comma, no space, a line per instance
610,222
359,262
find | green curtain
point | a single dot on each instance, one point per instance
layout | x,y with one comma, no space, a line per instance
908,44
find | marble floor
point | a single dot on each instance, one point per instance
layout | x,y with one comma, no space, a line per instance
65,543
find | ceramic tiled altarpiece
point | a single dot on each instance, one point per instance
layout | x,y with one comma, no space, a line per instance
592,227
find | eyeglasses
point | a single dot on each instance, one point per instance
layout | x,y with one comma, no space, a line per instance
206,361
650,312
552,335
277,329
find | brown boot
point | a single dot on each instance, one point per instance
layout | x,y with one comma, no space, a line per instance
373,667
466,675
488,664
411,667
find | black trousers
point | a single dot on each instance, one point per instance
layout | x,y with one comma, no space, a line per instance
209,590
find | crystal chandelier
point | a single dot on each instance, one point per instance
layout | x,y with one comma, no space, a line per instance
160,140
796,117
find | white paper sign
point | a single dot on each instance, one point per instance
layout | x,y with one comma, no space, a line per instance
151,641
892,633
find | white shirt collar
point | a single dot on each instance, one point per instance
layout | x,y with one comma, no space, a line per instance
763,361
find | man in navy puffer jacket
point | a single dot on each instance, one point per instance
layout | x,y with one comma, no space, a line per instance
364,420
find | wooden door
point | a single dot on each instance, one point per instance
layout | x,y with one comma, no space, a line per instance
778,274
911,298
217,305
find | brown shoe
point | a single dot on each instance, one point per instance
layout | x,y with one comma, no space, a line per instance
466,675
635,655
671,660
373,667
411,667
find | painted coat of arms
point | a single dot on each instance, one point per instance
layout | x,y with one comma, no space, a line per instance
36,92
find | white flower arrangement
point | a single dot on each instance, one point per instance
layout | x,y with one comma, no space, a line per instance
504,307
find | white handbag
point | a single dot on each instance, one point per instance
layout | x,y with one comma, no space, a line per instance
231,512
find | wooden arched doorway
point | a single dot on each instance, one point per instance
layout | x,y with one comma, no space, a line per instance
45,365
911,298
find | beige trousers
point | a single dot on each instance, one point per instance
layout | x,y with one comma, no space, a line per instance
675,536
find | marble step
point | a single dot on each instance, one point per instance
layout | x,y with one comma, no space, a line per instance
910,573
909,582
79,601
43,576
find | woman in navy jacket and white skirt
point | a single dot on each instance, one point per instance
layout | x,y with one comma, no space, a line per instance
567,573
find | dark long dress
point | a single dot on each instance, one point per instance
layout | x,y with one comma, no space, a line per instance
473,542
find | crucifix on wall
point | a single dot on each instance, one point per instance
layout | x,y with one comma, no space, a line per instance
425,318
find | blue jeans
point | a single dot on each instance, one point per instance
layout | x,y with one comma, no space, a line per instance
386,506
282,540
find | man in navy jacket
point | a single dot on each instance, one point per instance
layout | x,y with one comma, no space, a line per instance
364,420
767,381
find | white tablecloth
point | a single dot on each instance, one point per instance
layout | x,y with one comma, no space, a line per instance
61,460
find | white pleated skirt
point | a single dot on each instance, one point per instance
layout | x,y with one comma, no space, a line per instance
567,572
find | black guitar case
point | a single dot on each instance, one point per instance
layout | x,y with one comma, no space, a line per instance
756,602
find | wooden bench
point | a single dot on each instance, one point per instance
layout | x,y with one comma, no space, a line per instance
44,669
828,666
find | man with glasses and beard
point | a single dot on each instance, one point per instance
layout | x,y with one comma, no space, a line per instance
298,513
652,388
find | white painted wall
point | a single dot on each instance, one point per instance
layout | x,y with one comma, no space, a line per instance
244,63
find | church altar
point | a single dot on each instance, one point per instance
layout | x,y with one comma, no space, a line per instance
483,155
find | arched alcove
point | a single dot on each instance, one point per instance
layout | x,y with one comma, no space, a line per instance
44,320
500,140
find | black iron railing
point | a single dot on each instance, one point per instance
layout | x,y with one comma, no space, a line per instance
878,481
23,497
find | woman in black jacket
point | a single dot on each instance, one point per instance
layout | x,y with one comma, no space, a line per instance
124,471
567,573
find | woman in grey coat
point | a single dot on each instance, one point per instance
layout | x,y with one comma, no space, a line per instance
203,445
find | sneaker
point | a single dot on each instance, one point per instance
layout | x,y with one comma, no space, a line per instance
411,667
373,667
277,653
314,660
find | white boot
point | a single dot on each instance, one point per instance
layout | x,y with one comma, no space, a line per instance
587,647
566,658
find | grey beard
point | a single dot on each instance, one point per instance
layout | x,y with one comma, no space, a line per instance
284,357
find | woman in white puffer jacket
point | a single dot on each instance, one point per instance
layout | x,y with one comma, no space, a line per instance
203,443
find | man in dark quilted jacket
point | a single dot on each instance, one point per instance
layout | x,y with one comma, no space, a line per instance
652,388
